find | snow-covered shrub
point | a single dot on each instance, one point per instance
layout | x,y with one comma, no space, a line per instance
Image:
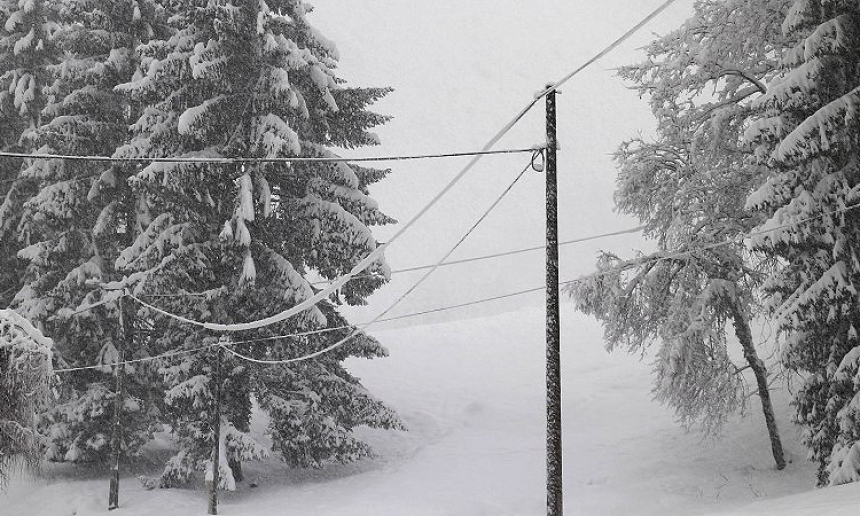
25,375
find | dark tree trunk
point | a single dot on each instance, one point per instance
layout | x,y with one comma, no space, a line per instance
742,329
236,467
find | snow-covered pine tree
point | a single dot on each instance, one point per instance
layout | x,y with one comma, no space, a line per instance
26,50
808,132
80,217
25,375
688,188
253,79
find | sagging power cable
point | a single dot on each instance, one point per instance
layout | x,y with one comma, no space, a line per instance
670,256
251,159
359,329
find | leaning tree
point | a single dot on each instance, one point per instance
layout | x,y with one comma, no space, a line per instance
688,187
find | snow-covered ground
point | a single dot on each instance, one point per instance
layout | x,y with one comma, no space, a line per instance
472,395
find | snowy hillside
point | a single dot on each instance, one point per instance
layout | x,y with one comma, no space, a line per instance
835,501
472,395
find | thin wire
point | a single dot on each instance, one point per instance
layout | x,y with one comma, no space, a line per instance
456,246
739,240
363,327
382,314
500,254
578,280
447,263
363,264
95,305
389,319
248,159
182,294
463,305
135,361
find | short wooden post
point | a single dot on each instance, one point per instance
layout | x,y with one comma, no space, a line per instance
126,325
216,447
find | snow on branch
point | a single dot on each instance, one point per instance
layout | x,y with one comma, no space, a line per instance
819,133
838,35
192,116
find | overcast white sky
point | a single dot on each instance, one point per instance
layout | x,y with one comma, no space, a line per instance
461,70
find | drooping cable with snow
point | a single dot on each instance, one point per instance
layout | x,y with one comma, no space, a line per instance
661,257
171,354
363,327
250,159
338,283
592,275
363,264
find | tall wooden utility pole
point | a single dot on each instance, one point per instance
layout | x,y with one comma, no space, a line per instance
216,448
553,334
126,325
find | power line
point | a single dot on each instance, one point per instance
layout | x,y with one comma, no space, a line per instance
293,335
364,263
478,301
609,48
507,127
614,270
171,354
739,240
249,159
378,251
500,254
342,280
463,305
163,356
476,156
441,261
94,305
403,296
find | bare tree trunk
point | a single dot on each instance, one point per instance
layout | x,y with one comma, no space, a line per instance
236,466
742,329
